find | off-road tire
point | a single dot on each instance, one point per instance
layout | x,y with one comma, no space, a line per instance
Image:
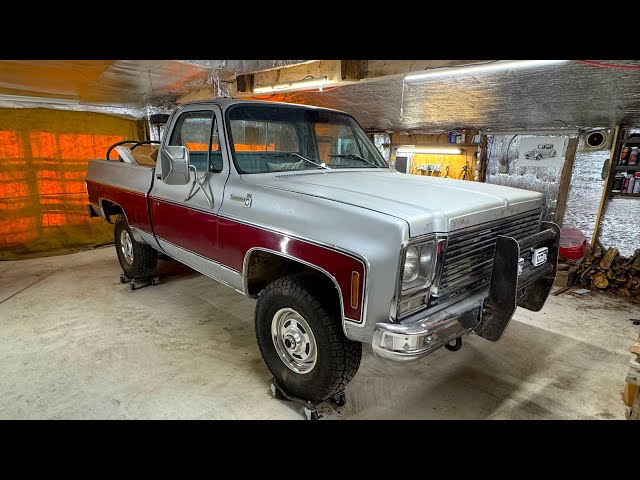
145,257
338,358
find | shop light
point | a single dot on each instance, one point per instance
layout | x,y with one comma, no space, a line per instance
23,98
480,68
434,150
300,85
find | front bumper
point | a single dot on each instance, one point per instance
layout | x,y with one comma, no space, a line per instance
487,312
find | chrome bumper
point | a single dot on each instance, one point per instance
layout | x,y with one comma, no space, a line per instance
487,312
413,339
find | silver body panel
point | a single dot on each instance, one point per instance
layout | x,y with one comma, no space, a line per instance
369,213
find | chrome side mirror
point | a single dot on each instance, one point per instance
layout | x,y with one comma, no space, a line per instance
174,165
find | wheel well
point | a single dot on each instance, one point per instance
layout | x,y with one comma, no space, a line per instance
109,208
265,267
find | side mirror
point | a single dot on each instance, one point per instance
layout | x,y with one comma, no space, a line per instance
174,165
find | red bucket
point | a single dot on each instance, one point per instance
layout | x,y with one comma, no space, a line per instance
573,245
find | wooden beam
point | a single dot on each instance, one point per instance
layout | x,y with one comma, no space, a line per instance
483,159
353,69
381,68
244,83
603,197
565,180
324,68
633,374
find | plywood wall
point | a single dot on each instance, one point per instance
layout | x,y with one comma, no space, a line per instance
456,162
43,161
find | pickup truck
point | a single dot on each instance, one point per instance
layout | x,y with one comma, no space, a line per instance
294,206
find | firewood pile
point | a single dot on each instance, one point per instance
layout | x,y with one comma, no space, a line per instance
610,272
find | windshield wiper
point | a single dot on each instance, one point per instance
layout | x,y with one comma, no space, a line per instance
294,154
355,157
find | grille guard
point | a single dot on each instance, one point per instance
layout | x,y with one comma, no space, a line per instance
507,290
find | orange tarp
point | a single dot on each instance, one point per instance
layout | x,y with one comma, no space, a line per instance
44,155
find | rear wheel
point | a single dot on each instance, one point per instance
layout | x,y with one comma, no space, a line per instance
299,331
138,260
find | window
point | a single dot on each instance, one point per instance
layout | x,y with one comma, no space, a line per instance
274,139
264,136
198,132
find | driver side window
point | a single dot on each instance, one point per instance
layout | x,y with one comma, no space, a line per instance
198,132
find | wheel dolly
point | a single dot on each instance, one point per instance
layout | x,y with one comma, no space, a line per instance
137,283
310,408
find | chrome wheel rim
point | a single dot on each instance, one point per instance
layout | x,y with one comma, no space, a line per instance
126,246
294,340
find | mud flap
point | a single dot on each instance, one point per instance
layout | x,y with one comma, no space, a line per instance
528,290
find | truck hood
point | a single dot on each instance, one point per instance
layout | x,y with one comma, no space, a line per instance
427,204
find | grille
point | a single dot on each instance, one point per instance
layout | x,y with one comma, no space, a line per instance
469,256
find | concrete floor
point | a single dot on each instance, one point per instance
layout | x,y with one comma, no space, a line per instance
76,344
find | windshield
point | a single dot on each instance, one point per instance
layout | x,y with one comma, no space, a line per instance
279,138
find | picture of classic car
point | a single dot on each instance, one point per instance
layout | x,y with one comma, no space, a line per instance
545,150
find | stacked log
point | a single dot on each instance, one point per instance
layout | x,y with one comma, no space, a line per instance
610,272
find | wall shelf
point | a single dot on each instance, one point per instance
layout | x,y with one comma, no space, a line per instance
620,194
620,143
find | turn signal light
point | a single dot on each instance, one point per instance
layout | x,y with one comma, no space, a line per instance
355,289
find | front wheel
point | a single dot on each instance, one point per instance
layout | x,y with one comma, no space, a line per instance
299,332
138,260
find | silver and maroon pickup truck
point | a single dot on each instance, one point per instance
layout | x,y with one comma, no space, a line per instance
293,205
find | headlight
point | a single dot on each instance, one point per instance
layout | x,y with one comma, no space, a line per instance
419,265
411,262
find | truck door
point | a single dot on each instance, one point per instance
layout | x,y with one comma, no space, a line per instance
184,216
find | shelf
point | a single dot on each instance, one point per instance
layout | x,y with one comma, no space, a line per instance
626,167
620,194
631,143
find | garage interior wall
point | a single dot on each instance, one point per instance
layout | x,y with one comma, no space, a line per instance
503,169
618,227
456,162
44,155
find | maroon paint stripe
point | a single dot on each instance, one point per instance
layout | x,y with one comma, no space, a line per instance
186,227
227,242
134,204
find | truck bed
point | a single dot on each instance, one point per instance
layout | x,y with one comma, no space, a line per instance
114,186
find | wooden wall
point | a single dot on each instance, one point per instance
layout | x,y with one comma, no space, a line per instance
456,162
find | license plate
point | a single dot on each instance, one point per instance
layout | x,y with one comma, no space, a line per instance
539,256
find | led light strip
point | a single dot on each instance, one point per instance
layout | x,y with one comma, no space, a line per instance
480,68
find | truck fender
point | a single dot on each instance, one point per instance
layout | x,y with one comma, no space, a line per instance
246,274
114,208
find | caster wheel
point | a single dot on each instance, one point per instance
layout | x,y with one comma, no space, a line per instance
311,414
123,279
133,286
155,281
340,399
275,391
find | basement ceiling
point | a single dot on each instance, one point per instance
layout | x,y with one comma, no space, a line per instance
565,96
129,86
